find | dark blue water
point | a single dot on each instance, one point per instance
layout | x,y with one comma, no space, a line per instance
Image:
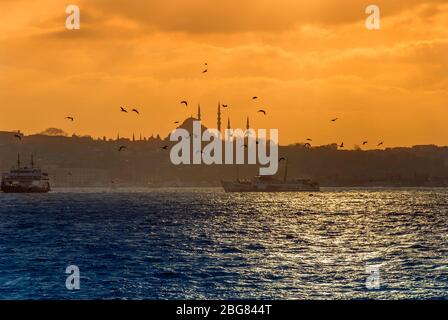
182,244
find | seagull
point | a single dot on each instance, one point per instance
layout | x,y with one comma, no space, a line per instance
184,102
334,120
205,71
262,111
70,118
254,98
136,111
380,144
365,142
309,139
225,105
176,122
123,110
165,147
122,148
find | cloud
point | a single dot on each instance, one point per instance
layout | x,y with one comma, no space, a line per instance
212,16
305,59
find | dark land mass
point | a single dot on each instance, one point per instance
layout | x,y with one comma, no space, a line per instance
86,162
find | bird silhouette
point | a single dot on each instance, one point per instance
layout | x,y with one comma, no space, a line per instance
334,120
122,148
70,118
309,139
184,102
262,111
380,144
254,98
123,110
176,122
225,106
205,71
136,111
365,142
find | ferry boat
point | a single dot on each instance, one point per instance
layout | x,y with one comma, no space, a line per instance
25,180
271,184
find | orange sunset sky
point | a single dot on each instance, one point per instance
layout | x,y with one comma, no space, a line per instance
308,61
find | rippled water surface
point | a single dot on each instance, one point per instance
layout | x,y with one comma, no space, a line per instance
203,243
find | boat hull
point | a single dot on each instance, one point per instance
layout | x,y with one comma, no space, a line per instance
233,186
25,189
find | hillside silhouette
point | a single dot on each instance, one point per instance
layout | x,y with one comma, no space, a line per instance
84,161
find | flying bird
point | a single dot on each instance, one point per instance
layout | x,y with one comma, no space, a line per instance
225,106
176,122
334,120
254,98
205,71
380,144
70,118
184,102
262,111
123,110
365,142
309,139
136,111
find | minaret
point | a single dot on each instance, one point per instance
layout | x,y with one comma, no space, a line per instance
247,124
199,112
219,116
229,134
